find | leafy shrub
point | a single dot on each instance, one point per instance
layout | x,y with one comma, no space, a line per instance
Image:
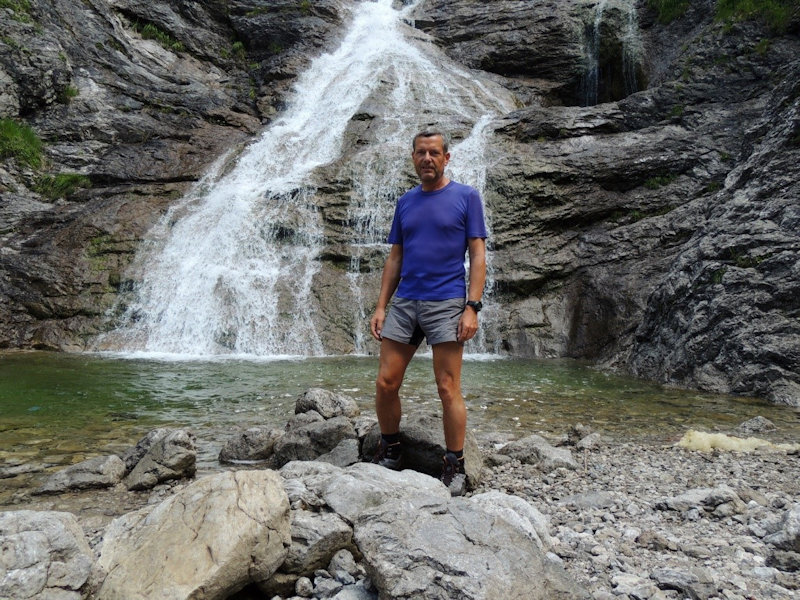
20,142
775,13
62,185
659,181
668,10
151,32
67,94
20,9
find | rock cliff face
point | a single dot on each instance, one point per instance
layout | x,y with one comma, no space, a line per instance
655,232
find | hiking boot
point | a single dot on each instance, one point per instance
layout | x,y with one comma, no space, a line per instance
388,455
453,475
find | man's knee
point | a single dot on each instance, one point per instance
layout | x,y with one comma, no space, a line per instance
388,384
449,389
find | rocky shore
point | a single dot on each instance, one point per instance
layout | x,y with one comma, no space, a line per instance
297,513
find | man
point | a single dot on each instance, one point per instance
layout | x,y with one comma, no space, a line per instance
434,225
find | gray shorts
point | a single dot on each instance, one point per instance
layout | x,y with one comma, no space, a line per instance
409,321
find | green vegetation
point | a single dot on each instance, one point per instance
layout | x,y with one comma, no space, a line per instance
151,32
746,262
20,9
668,10
762,46
20,142
62,185
659,181
67,94
305,6
716,276
777,14
11,42
677,111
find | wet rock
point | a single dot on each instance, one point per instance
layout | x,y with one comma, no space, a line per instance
309,441
135,453
255,444
326,403
99,472
234,526
44,555
755,425
171,455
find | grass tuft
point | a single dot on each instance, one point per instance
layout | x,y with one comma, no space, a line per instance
20,142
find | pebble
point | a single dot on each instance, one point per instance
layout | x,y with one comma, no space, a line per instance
614,533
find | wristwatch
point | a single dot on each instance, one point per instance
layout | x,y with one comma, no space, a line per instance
476,305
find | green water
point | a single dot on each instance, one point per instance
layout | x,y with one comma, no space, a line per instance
58,409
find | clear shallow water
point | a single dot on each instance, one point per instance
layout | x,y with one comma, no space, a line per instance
58,409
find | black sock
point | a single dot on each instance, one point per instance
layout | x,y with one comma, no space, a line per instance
458,453
392,441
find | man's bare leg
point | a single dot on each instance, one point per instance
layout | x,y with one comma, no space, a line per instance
447,360
394,359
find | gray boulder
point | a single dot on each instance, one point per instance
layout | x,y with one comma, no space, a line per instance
172,455
98,472
255,444
788,535
316,538
308,442
422,437
755,425
359,487
234,526
519,513
43,555
455,549
343,455
721,501
535,450
135,453
326,403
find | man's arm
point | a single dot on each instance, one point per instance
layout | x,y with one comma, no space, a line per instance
389,281
468,324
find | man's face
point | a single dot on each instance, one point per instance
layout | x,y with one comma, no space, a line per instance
430,159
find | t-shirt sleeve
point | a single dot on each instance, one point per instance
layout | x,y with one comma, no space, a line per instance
396,232
476,224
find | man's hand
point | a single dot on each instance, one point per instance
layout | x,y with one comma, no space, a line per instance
467,325
376,323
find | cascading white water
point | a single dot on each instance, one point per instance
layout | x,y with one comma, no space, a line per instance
230,269
591,78
631,50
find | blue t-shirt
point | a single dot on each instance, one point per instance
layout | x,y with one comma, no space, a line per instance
433,228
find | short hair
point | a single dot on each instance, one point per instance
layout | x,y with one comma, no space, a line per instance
430,133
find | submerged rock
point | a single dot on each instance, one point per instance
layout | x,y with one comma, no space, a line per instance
98,472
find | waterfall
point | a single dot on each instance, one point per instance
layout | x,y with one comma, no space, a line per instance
631,50
230,268
591,78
